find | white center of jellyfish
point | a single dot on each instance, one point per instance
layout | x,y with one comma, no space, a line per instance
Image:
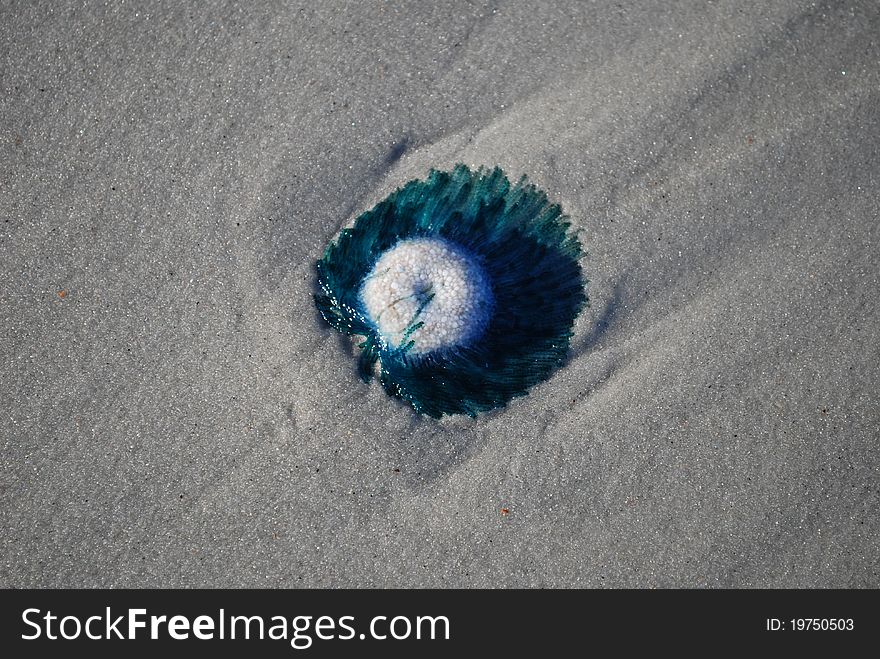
432,282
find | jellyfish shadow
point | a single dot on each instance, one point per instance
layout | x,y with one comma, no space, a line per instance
396,152
601,325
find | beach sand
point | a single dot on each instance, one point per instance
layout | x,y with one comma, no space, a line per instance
175,412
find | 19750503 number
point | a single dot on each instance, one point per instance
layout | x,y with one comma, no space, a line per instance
821,624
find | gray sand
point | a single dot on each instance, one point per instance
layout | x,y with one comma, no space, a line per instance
182,417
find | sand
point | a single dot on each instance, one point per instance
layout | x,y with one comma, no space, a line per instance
174,412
